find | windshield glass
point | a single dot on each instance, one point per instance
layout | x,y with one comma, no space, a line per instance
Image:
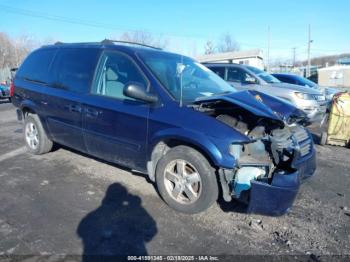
305,82
184,77
263,75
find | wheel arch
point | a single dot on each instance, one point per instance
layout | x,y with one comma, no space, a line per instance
161,144
28,107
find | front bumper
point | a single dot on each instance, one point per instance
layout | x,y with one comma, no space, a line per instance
276,198
315,114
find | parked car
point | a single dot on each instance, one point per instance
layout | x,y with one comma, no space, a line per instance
244,77
4,91
329,92
168,116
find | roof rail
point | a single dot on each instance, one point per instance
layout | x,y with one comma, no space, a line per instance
109,41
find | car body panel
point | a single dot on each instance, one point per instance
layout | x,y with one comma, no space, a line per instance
313,108
329,92
260,104
116,130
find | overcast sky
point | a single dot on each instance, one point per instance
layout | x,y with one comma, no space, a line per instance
188,23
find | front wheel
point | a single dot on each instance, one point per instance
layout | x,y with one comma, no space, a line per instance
186,181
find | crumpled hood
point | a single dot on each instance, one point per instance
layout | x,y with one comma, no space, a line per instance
261,105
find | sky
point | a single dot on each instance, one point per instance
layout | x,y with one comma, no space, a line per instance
188,24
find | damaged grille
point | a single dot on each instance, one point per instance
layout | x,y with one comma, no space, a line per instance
303,140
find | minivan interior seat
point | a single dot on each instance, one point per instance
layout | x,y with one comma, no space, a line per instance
114,88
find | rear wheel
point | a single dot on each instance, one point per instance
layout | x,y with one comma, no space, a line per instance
35,137
186,181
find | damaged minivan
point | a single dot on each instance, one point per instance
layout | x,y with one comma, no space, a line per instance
167,116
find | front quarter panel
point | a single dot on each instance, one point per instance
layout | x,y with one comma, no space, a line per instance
195,128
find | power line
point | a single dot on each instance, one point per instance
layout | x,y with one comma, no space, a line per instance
89,23
96,24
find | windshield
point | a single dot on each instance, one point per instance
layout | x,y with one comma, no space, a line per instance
263,75
305,82
184,77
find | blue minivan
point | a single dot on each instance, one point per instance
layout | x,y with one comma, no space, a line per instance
167,116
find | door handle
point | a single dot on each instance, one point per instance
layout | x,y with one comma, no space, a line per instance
91,112
74,108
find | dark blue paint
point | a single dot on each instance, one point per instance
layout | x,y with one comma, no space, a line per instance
277,198
125,132
260,104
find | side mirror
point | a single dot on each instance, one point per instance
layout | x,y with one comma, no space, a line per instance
137,91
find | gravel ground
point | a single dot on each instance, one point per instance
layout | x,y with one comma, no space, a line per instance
68,203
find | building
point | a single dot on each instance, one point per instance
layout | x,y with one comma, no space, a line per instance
247,57
335,76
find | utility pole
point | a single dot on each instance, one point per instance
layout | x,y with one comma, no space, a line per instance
294,56
268,49
308,73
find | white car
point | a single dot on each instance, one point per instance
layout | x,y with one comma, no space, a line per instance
242,77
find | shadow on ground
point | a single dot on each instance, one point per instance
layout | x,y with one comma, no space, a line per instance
120,226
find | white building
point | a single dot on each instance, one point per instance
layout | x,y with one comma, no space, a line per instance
247,57
334,76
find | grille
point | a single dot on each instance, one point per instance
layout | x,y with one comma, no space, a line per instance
319,97
303,139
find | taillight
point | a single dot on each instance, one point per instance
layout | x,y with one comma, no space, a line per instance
12,89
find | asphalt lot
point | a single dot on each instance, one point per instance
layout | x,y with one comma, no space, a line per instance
68,203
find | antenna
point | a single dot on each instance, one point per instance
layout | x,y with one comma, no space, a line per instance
181,88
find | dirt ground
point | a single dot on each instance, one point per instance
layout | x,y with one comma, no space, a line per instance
68,203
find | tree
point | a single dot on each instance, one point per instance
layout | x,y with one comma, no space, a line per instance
7,51
209,48
143,37
227,44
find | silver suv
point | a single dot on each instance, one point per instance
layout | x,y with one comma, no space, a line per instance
243,77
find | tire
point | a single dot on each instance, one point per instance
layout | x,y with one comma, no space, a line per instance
323,140
41,144
194,197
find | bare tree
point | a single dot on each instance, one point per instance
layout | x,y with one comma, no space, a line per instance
227,44
7,51
146,38
209,48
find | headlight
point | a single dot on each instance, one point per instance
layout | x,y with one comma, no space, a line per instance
304,96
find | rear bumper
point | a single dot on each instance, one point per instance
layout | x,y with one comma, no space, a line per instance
276,198
4,93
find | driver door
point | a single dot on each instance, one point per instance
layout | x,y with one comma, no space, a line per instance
115,126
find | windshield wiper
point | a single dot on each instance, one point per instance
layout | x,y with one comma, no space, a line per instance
222,93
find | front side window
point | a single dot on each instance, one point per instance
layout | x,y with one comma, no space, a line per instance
220,71
114,72
74,68
235,74
184,78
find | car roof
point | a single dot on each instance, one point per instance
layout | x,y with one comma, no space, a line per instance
285,74
124,46
225,65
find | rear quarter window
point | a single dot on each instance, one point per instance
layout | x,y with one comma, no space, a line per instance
36,66
73,68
